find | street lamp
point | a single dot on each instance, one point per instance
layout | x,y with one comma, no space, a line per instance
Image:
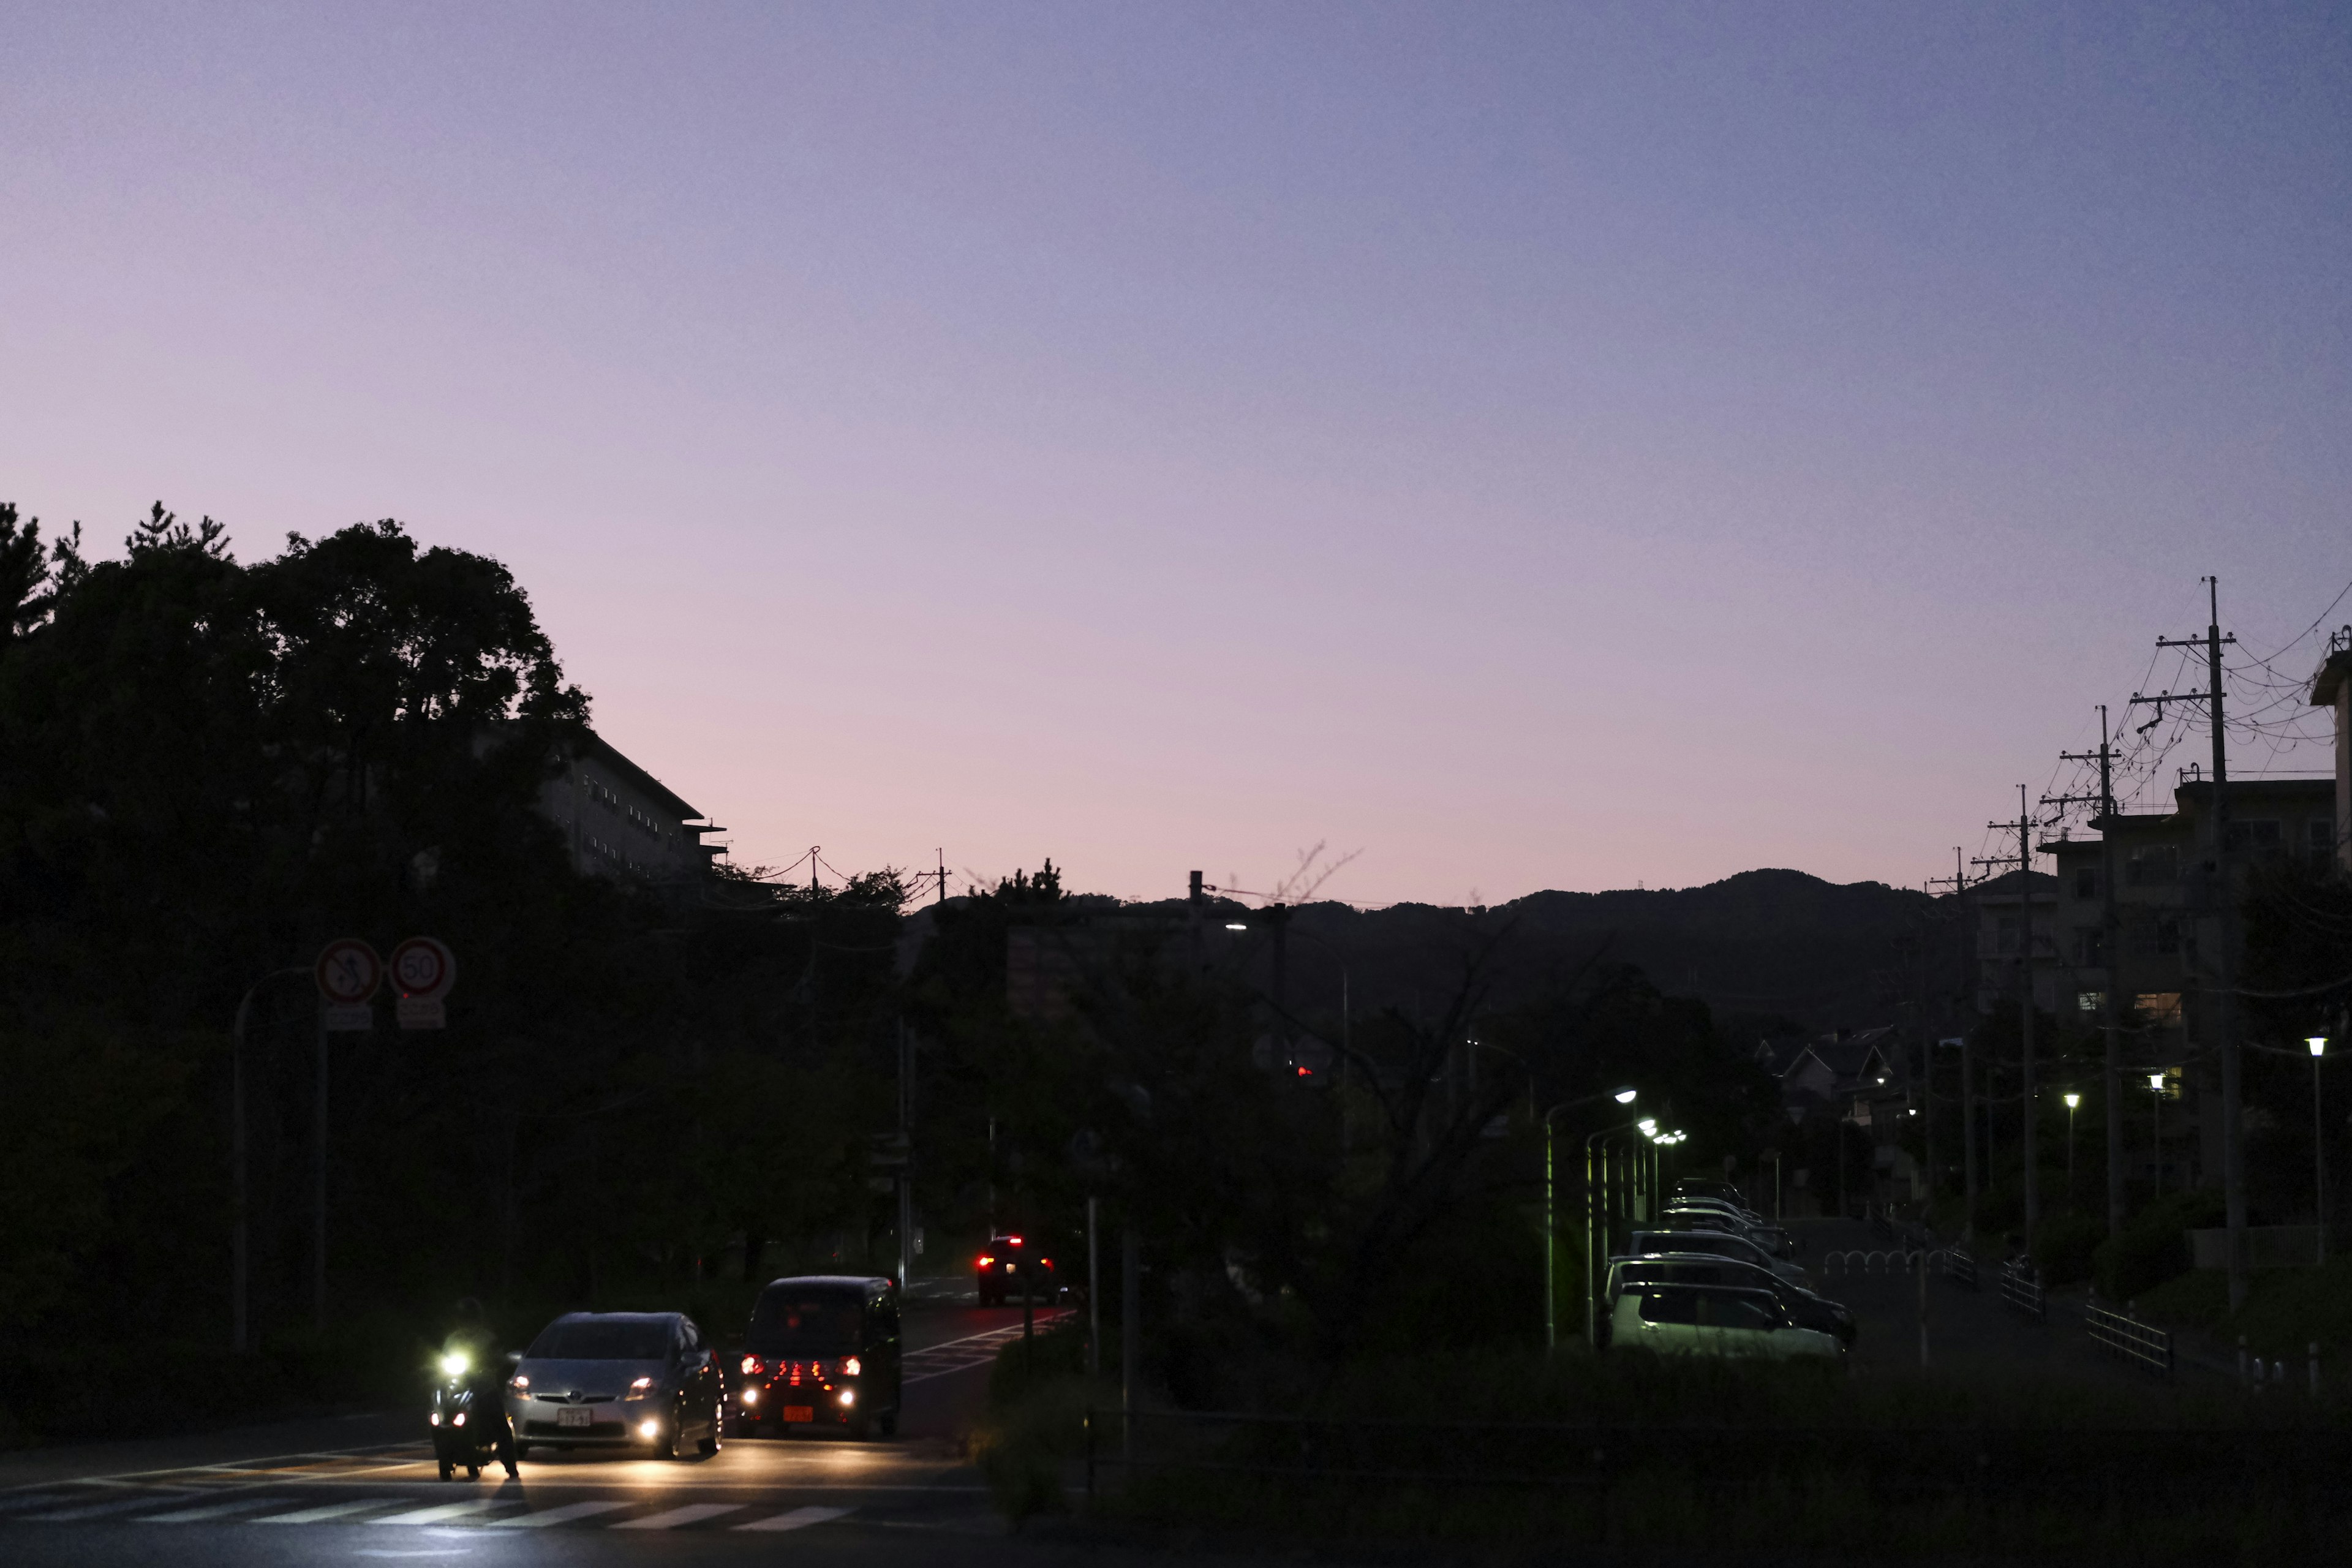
2074,1103
2155,1126
2318,1044
1551,1210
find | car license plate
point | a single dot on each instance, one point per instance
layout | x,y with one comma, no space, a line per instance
800,1413
575,1415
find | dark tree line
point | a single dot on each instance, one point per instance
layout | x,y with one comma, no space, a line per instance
207,770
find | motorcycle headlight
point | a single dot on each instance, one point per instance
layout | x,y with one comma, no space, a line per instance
454,1364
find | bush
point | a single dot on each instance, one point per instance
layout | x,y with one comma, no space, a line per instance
2154,1248
2062,1246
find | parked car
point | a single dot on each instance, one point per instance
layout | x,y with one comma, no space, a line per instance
1009,1261
823,1351
1805,1308
1713,1320
1722,1191
1771,1238
1720,1243
616,1380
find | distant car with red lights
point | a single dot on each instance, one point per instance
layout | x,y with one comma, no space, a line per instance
1006,1262
823,1351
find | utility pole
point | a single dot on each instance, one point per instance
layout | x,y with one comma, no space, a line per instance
943,876
2023,861
2222,966
1959,883
2111,952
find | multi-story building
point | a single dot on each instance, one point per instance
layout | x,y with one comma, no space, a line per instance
622,822
2169,909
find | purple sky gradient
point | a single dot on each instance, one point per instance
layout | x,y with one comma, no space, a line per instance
1538,445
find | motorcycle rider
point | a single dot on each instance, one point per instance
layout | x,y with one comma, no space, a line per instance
484,1372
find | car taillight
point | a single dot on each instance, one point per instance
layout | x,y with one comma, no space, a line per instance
753,1365
985,1260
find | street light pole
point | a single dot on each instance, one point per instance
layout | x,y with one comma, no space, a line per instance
1552,1209
2318,1044
2156,1129
2072,1102
1591,1195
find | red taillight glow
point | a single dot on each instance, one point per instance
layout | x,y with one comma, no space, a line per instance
1306,1073
985,1260
1012,1241
753,1365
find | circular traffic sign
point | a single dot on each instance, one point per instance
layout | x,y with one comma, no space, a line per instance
424,968
348,972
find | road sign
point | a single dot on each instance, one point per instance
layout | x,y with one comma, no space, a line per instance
424,968
348,972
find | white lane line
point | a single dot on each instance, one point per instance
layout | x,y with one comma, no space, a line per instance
563,1515
798,1519
30,1500
325,1511
91,1511
445,1512
215,1510
672,1518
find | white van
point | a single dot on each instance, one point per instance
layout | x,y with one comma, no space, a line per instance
1713,1320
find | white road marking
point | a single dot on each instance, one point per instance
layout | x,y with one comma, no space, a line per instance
563,1515
672,1518
91,1511
30,1500
215,1510
798,1519
325,1510
446,1510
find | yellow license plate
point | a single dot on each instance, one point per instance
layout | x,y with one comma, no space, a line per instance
800,1413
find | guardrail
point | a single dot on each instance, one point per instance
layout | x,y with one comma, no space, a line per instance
2137,1342
1959,1268
2021,1287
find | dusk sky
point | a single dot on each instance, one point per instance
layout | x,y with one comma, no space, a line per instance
1537,446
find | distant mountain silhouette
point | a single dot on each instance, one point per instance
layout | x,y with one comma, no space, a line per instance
1771,943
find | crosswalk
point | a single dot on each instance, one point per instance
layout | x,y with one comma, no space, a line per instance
394,1509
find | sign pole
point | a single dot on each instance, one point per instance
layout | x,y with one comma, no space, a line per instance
319,1173
348,972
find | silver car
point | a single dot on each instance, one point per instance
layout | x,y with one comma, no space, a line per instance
616,1380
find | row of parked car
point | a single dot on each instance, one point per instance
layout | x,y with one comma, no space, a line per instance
1712,1276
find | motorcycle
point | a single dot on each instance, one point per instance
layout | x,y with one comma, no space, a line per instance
469,1422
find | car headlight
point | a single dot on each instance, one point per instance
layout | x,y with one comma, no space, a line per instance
849,1397
850,1367
521,1384
639,1389
750,1396
454,1364
649,1429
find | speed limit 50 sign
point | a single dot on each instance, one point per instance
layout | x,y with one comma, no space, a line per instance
423,969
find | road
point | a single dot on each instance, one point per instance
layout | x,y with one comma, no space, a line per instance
366,1488
1967,1329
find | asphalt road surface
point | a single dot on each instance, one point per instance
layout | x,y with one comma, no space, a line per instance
365,1489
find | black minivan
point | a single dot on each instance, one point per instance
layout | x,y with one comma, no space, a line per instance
822,1351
